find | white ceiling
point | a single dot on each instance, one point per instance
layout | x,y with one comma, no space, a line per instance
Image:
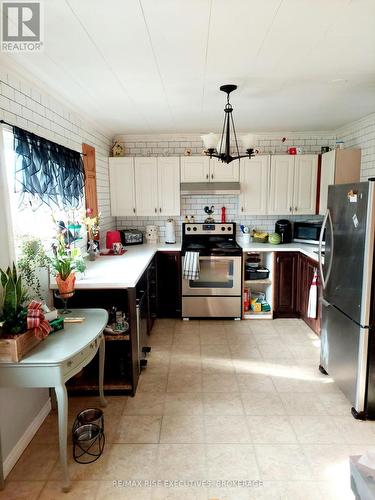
156,65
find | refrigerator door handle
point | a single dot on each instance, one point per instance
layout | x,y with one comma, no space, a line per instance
320,249
324,302
325,279
332,247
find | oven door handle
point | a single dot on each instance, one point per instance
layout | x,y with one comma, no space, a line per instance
214,257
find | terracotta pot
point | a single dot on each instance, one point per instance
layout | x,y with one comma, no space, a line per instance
66,287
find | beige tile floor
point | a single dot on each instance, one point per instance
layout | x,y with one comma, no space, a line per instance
220,400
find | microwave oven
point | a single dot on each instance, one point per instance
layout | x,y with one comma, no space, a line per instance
307,232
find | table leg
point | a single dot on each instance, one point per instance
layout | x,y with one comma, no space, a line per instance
103,402
62,407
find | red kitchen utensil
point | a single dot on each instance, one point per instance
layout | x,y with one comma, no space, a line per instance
223,215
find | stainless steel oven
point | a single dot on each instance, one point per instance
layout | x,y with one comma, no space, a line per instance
217,276
217,291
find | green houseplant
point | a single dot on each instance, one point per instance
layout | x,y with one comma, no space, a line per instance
32,258
15,339
14,311
65,261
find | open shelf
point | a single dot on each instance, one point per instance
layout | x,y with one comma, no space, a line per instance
261,285
258,315
258,282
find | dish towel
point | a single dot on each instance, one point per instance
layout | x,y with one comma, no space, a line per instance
191,266
313,297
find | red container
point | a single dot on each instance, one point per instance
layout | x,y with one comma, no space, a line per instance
223,215
112,237
292,151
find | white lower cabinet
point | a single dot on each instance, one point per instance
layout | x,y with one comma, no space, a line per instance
122,188
254,178
145,186
293,183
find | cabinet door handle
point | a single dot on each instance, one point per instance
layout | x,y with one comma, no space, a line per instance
278,260
160,209
133,210
241,209
212,176
290,209
296,209
156,210
207,176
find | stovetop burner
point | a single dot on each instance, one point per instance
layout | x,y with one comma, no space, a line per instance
210,239
195,246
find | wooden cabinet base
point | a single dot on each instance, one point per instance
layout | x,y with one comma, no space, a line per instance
285,288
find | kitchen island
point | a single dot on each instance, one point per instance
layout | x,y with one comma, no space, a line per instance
129,284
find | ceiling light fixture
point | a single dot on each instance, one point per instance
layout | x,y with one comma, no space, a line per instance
222,149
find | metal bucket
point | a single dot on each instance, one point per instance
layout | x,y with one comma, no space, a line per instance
88,443
91,416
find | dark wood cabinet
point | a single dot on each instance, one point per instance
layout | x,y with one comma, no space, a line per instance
168,284
152,295
306,269
285,287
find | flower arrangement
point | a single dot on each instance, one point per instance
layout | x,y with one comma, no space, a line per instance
92,224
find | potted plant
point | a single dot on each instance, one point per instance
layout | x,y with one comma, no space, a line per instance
32,258
65,261
15,339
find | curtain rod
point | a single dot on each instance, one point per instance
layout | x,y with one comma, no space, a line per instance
11,125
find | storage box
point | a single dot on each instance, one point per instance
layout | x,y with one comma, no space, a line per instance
13,350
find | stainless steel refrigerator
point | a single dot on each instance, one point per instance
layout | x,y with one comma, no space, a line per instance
346,278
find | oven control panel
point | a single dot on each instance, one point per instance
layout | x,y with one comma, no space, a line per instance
209,228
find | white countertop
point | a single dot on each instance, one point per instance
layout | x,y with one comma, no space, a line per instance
124,271
120,271
304,248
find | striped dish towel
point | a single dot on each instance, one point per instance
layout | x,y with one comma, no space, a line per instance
191,266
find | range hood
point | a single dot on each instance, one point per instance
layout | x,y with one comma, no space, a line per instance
189,188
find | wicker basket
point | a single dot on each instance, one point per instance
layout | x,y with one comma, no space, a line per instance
14,349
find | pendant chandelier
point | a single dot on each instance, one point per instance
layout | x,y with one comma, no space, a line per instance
221,147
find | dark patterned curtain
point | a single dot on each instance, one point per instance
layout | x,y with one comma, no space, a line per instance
46,172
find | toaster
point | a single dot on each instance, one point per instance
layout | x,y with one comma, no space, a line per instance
131,237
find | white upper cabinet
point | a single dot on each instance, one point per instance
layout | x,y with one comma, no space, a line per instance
305,184
327,177
254,185
281,185
121,177
169,186
146,185
204,169
195,169
222,172
293,182
340,166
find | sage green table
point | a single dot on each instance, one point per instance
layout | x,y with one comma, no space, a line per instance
55,360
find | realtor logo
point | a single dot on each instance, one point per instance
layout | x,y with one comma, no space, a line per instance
21,24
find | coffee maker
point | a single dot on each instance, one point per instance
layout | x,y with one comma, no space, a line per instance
284,228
